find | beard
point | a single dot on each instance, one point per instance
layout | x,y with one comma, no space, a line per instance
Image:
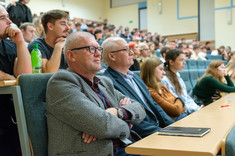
3,36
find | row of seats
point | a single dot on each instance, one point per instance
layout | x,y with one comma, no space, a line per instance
198,64
191,76
214,57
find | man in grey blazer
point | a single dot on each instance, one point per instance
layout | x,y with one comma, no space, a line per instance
86,115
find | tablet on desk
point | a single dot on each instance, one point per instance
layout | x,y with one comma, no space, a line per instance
184,131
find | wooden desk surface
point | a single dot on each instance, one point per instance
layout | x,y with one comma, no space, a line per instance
220,120
8,83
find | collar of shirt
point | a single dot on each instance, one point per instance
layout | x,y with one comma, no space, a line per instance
129,74
96,81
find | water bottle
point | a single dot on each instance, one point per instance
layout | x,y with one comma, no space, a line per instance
36,59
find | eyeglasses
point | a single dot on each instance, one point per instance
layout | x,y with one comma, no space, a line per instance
127,49
146,49
92,49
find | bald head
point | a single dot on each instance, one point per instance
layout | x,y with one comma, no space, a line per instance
111,44
77,39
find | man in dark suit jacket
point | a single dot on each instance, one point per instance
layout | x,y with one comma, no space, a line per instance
119,58
86,115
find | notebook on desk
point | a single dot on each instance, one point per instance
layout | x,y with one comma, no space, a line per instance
184,131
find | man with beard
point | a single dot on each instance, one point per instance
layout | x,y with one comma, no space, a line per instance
55,24
14,60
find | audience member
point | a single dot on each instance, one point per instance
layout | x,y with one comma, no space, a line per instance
171,44
119,58
71,26
219,51
144,52
126,34
90,28
231,56
210,85
55,24
230,69
196,54
95,117
28,30
135,48
14,60
39,28
175,61
78,27
98,35
152,72
163,52
19,13
152,49
208,45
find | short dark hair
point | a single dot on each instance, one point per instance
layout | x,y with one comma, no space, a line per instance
52,16
25,25
195,47
77,24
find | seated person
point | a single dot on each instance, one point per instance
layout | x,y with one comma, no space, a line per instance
172,80
119,58
152,72
211,83
86,115
55,24
230,69
14,60
144,53
135,48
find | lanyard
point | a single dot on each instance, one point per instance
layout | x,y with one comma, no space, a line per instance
102,98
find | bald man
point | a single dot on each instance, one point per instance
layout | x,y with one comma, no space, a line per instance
96,118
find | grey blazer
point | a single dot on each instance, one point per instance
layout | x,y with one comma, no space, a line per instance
73,108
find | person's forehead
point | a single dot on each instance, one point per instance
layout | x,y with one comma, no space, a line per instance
62,20
29,27
3,11
90,41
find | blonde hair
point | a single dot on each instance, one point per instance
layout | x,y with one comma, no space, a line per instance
229,67
147,72
211,71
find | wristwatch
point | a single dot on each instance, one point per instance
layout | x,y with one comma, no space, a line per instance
119,113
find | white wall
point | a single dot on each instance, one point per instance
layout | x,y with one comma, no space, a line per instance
122,15
167,23
87,9
224,32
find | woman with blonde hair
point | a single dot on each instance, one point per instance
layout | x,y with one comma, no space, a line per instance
212,83
144,53
231,56
39,28
152,49
152,72
230,69
175,61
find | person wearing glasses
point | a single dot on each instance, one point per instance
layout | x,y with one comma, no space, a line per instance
86,115
144,53
55,24
119,58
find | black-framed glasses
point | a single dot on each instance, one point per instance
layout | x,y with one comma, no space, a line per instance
127,49
92,49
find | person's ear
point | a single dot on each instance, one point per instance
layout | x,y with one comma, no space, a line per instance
70,56
171,62
111,57
50,26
